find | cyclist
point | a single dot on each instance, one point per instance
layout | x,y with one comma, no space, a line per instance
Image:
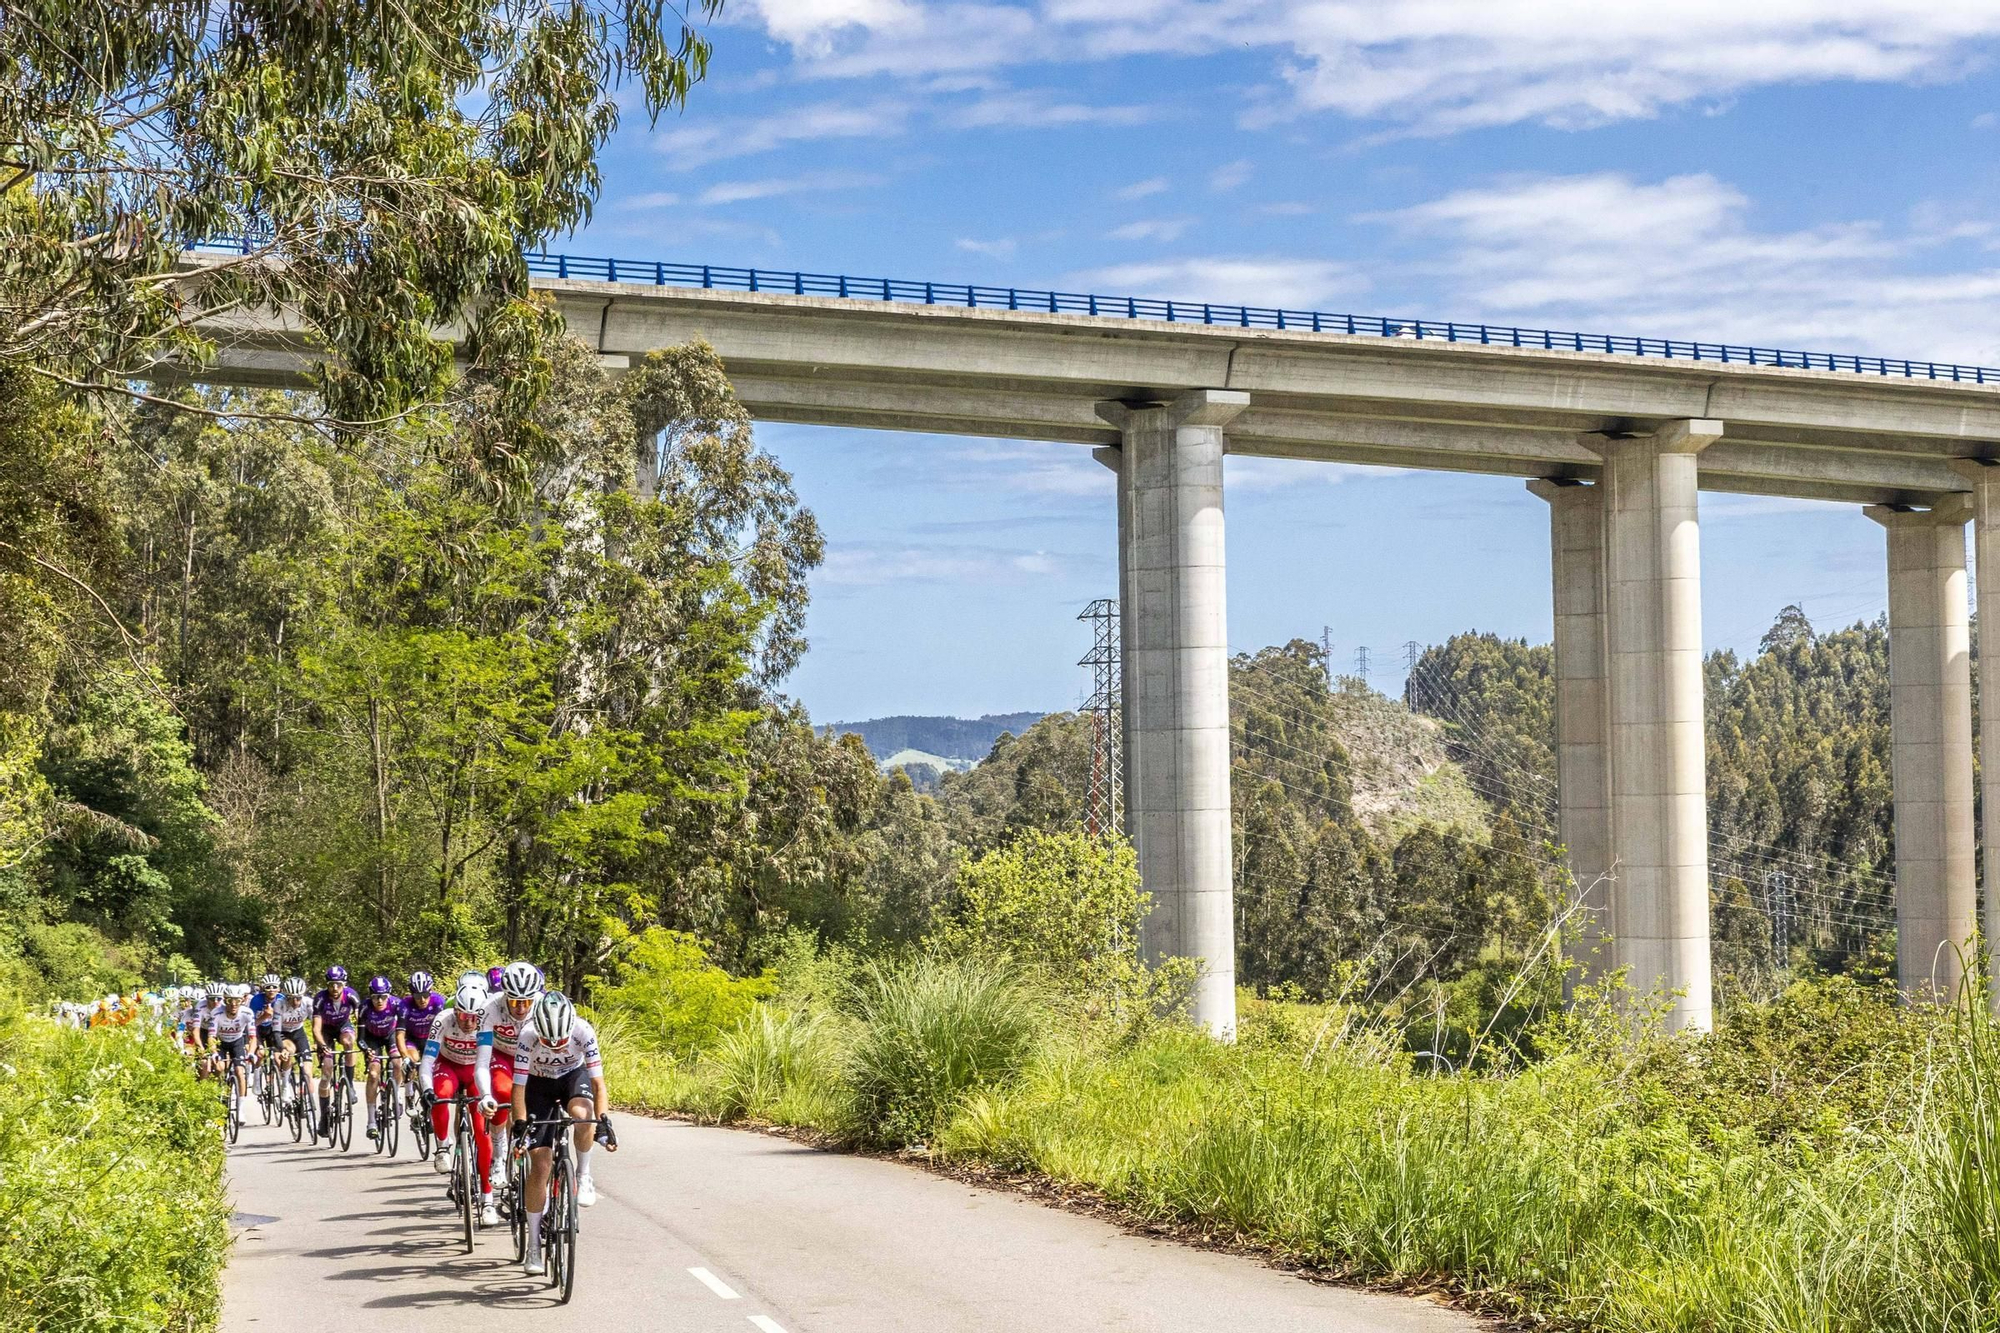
264,1004
334,1008
293,1012
520,983
381,1026
184,1017
211,1005
422,1007
232,1035
452,1060
558,1073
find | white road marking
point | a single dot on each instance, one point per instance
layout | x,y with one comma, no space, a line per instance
767,1324
713,1283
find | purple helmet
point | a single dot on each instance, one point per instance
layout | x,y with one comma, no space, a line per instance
420,982
381,986
336,974
496,977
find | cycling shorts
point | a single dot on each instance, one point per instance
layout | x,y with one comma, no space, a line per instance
299,1040
375,1045
233,1048
549,1097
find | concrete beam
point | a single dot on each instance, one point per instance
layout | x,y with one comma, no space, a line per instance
1984,477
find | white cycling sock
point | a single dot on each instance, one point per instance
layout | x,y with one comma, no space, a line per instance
534,1230
583,1163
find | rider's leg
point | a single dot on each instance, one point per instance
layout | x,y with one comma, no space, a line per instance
581,1109
538,1195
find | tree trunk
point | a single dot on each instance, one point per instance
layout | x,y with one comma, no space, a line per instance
378,754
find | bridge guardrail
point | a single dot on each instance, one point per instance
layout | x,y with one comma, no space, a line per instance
659,273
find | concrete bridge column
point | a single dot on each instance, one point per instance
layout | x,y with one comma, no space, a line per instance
1984,474
1176,680
1583,723
1659,788
1930,744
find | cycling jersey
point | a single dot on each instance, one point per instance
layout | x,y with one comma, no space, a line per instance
227,1027
534,1058
265,1007
421,1013
336,1009
380,1024
499,1020
292,1014
459,1046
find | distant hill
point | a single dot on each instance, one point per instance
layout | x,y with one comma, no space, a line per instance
959,742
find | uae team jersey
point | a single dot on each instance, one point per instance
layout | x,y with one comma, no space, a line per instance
292,1014
231,1027
534,1058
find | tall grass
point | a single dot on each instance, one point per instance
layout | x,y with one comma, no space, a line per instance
112,1210
1827,1162
930,1032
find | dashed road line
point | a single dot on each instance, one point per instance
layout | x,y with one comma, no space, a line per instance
714,1283
767,1324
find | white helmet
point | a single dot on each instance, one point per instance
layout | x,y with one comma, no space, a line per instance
522,981
240,991
295,987
554,1017
471,999
215,990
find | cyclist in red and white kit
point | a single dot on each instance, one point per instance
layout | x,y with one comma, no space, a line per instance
506,1013
454,1059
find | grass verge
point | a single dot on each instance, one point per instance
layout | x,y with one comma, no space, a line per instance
112,1209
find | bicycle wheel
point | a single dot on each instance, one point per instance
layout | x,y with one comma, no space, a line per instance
235,1108
295,1114
466,1176
566,1236
392,1120
517,1205
343,1118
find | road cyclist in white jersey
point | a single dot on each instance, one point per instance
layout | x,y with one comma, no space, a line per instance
453,1061
558,1072
292,1021
232,1036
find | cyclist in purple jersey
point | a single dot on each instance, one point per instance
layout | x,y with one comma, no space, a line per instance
333,1013
381,1028
421,1009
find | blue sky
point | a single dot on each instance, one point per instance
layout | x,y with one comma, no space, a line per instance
1770,172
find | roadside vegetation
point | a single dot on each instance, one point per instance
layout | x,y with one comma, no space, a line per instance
1823,1162
112,1208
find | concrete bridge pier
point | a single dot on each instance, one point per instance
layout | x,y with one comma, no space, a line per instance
1583,721
1175,649
1930,743
1984,474
1659,921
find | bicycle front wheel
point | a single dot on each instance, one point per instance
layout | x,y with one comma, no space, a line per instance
392,1121
468,1184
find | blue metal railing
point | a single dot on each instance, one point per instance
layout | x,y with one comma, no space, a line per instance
658,273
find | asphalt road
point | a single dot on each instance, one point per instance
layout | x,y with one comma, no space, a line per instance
704,1230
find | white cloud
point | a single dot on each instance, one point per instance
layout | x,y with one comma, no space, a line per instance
1986,120
1681,258
1000,249
1151,229
1141,189
1226,178
705,141
657,199
1434,66
1034,109
736,192
1245,473
871,564
1258,281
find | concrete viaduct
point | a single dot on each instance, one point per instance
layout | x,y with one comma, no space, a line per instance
1618,436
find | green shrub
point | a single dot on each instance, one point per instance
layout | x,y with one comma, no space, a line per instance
672,998
1065,904
772,1058
111,1193
931,1032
